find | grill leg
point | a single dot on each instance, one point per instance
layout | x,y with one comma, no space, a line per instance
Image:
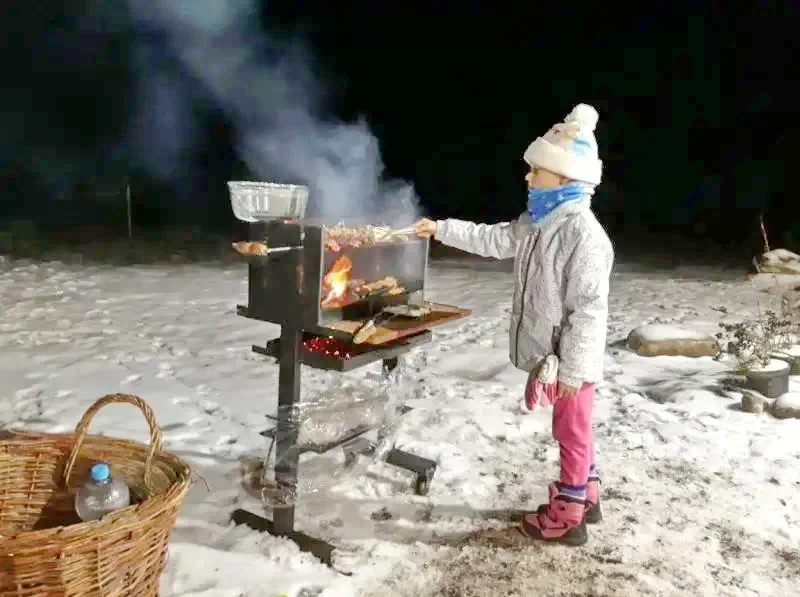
390,365
423,468
286,449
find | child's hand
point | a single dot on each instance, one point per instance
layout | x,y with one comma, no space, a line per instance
425,227
565,391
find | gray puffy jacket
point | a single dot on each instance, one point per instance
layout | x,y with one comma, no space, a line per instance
561,273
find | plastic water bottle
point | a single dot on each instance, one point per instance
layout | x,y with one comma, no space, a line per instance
101,494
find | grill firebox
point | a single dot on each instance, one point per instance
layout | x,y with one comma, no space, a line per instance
406,261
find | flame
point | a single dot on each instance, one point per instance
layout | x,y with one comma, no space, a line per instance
337,278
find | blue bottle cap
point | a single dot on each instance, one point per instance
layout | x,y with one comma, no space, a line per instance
100,472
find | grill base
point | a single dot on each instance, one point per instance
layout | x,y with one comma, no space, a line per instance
291,350
321,549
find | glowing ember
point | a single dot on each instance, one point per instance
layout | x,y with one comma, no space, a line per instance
330,347
335,281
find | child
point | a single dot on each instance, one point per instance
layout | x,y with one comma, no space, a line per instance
563,261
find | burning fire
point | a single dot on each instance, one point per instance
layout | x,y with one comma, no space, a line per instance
340,289
336,280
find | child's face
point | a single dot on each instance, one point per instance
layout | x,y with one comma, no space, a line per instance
539,178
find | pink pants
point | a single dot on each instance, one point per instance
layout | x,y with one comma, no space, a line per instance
572,427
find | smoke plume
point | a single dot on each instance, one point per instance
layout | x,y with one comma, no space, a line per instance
267,90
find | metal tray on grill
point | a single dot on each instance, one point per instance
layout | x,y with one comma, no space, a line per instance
263,201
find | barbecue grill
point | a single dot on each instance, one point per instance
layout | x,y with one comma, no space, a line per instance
323,288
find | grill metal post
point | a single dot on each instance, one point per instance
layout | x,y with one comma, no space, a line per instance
286,449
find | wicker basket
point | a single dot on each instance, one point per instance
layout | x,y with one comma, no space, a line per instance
46,551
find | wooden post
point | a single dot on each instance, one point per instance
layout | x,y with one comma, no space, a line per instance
128,201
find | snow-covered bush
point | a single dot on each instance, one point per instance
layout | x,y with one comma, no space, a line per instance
753,341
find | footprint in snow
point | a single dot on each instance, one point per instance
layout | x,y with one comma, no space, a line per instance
165,371
193,431
36,375
202,409
29,393
130,379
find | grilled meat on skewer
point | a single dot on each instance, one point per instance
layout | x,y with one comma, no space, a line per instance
251,248
339,236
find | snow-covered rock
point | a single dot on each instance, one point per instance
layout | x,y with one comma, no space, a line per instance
776,284
657,339
753,402
780,261
787,406
779,274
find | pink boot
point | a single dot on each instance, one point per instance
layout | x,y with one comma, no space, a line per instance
560,521
593,512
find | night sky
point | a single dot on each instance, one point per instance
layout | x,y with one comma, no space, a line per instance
696,112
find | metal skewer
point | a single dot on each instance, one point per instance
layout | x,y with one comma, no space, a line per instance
407,231
281,249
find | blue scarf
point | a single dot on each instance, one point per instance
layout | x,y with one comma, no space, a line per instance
542,202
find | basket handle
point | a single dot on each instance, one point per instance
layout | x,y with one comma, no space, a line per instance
83,427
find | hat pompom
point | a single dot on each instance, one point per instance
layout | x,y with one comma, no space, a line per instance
585,114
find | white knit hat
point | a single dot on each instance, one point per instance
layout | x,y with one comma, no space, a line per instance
569,148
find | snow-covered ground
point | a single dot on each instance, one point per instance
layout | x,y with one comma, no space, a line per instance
699,497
